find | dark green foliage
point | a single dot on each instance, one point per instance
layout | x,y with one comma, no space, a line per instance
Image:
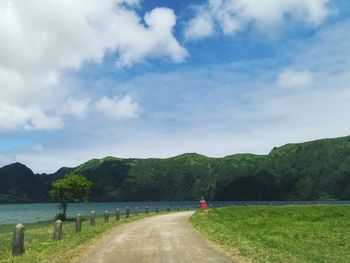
305,171
19,184
60,216
71,188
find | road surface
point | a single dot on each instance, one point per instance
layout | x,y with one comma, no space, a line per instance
158,239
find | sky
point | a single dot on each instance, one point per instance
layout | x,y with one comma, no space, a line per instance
87,79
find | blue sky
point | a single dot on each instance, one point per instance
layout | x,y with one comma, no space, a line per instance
159,78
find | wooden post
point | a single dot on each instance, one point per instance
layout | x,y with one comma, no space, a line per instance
78,223
92,217
146,209
18,240
157,209
136,210
127,211
168,208
117,214
106,216
57,230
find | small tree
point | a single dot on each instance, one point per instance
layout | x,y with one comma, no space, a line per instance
72,188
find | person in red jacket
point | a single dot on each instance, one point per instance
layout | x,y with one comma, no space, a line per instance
202,204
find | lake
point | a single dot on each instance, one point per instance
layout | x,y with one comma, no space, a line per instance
31,213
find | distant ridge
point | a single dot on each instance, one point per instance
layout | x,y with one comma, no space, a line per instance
312,170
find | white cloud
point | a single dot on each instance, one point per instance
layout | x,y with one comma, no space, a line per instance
118,107
200,26
75,107
41,121
156,40
13,117
295,79
233,15
41,39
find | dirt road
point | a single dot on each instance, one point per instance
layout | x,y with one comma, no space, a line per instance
164,238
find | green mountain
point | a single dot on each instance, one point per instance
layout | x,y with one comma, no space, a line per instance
305,171
18,184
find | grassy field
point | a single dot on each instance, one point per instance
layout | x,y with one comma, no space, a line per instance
319,233
41,248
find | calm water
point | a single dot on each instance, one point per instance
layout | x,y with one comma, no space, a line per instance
30,213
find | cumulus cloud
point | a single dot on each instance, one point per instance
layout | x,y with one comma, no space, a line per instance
13,117
118,107
156,40
75,107
41,39
295,79
41,121
200,26
232,15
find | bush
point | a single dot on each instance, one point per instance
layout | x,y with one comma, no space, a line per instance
60,216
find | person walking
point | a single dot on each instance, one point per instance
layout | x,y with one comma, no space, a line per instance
202,204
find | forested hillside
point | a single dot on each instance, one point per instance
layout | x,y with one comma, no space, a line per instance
312,170
18,184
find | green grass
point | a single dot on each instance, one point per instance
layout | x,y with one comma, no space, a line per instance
41,248
319,233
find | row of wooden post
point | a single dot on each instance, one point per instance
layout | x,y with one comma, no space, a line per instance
18,234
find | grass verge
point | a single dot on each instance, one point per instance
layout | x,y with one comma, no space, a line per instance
41,248
298,234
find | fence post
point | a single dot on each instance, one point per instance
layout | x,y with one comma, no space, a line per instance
92,217
146,209
106,216
78,223
127,211
57,230
157,209
18,240
117,214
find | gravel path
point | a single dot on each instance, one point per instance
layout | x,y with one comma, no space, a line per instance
164,238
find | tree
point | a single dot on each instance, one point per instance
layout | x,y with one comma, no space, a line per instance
72,188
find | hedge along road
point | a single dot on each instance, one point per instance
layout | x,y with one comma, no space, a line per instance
164,238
